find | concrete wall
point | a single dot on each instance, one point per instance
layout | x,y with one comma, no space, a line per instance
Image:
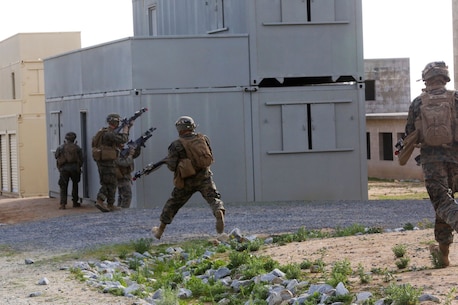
392,84
24,163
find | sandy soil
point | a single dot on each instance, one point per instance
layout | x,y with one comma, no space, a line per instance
372,252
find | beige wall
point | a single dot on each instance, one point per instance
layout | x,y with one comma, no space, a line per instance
22,109
389,169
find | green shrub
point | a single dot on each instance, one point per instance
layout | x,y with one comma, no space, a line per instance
399,250
402,294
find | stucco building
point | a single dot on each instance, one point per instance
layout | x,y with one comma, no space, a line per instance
24,155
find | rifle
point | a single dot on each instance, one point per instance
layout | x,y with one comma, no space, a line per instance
399,146
140,142
128,121
149,169
406,145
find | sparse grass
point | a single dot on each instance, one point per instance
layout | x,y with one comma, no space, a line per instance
399,250
340,272
403,262
404,294
396,190
244,263
6,251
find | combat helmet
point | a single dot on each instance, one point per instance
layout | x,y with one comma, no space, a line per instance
185,123
435,68
113,117
70,136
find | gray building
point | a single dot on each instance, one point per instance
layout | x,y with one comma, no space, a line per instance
277,85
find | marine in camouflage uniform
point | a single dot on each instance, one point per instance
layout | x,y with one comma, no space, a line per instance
201,182
440,166
125,166
69,169
107,168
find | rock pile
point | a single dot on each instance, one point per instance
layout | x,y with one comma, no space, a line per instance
105,276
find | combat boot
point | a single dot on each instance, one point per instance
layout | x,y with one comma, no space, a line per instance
440,254
219,215
157,231
76,204
445,250
62,206
101,206
113,208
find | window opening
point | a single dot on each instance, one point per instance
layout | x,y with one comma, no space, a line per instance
13,85
370,90
309,126
386,146
368,145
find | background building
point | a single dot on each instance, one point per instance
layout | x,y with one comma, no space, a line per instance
387,104
286,116
24,155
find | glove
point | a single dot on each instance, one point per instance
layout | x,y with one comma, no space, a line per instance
125,129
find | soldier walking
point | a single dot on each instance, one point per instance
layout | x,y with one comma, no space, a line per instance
105,152
433,115
69,159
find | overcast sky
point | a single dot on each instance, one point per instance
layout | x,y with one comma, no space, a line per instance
417,29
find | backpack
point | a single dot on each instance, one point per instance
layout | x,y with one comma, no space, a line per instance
67,153
198,151
437,118
101,152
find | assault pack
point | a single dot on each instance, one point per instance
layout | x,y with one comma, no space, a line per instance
101,152
67,153
438,119
198,151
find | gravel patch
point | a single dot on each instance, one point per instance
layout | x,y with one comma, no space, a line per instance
194,220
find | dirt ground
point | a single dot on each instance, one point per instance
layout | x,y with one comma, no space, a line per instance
370,252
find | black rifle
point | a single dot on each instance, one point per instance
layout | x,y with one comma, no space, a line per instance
149,169
140,142
399,146
128,121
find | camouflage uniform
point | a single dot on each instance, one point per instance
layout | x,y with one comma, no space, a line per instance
125,167
107,168
440,168
201,182
69,171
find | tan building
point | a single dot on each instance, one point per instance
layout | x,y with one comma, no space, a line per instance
387,103
23,147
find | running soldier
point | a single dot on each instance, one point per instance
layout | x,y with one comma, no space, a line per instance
189,157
